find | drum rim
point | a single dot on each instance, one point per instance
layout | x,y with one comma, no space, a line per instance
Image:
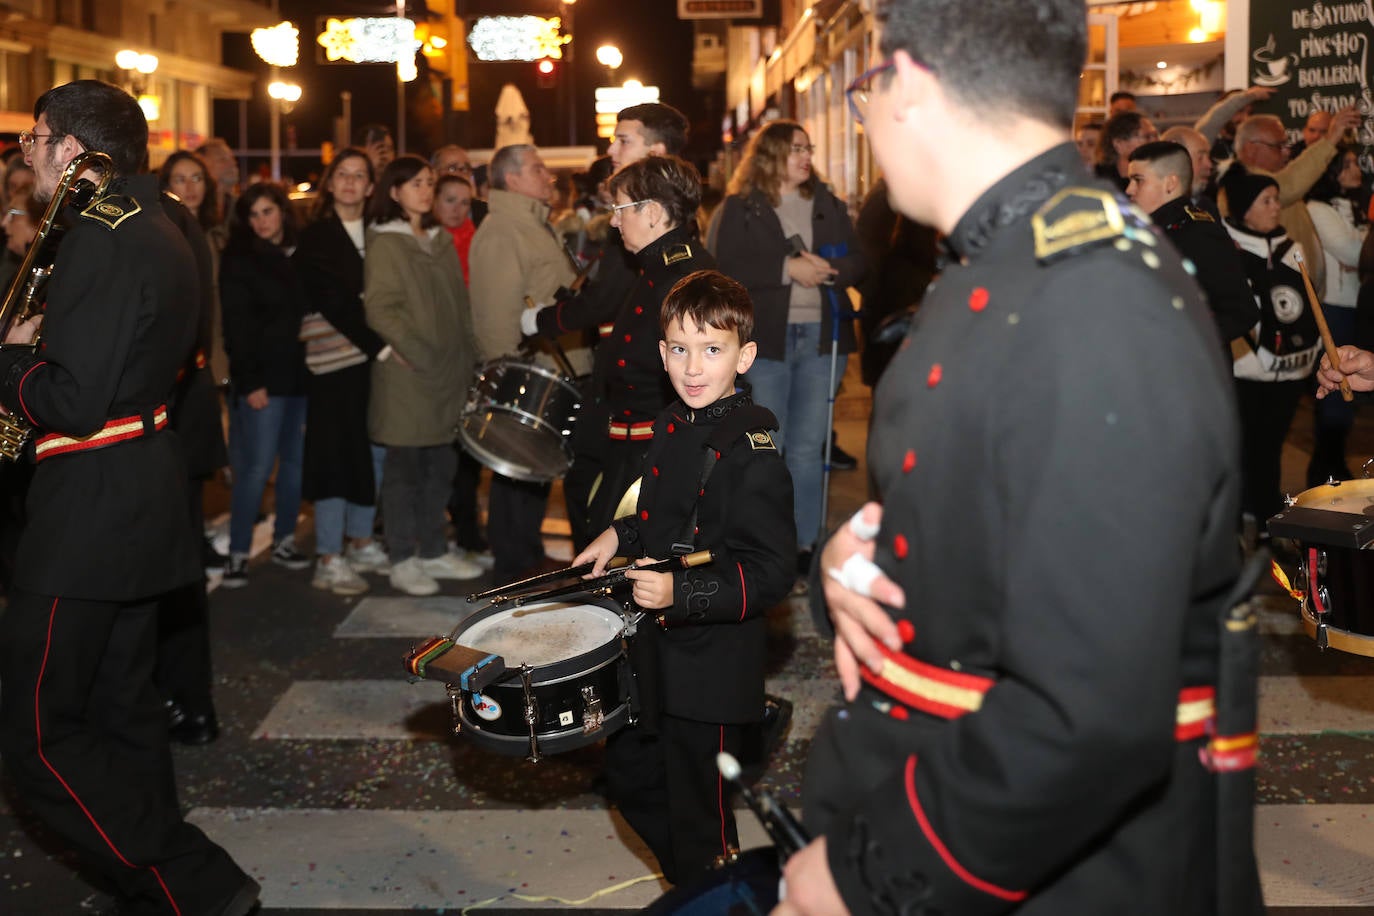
1341,640
1309,496
565,668
568,739
550,374
507,468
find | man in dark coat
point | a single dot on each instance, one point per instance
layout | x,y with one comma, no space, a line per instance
1027,623
1160,176
83,732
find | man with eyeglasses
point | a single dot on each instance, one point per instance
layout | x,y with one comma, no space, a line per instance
83,732
1262,148
452,159
1035,701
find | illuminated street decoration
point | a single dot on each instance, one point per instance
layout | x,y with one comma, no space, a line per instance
369,41
517,38
279,45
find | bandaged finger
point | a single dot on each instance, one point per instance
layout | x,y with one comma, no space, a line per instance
857,574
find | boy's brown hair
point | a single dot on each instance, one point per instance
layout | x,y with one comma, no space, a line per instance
709,297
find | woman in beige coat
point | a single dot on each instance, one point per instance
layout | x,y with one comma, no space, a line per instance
415,299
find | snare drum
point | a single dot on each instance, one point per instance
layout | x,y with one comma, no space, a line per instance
519,419
1333,523
566,683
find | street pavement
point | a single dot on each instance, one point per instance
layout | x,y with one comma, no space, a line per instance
339,786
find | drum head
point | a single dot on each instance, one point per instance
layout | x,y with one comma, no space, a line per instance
514,446
543,634
1353,496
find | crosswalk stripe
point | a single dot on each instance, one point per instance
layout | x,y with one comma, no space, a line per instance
1310,855
351,709
330,859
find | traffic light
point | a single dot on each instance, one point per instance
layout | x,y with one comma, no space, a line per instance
547,72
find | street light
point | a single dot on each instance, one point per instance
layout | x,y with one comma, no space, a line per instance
609,56
137,67
284,97
572,72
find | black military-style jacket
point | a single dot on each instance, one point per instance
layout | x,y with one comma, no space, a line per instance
122,306
711,643
1218,265
1055,447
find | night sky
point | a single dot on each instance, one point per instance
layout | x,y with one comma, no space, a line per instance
657,47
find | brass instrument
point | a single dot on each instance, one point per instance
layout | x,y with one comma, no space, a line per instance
25,297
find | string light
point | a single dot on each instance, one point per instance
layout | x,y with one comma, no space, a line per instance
517,38
279,45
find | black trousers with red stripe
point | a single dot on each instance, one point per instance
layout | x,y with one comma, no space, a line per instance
668,789
83,734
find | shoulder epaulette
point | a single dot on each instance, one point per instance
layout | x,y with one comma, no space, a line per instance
674,253
111,210
744,423
1198,215
1076,219
760,440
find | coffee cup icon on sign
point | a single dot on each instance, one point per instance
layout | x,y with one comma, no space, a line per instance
1272,68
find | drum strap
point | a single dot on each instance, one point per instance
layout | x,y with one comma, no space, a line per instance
732,428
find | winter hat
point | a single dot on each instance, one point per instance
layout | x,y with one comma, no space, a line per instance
1241,187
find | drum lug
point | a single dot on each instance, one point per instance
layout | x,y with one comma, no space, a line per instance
592,717
531,712
1321,562
455,702
1322,642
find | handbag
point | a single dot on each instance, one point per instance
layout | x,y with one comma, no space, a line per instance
326,349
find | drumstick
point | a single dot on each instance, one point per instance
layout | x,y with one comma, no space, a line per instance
786,832
1328,341
554,347
523,584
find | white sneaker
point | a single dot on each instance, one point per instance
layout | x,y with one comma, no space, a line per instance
338,577
450,566
368,558
409,576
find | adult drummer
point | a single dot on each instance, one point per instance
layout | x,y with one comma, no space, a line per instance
514,255
655,203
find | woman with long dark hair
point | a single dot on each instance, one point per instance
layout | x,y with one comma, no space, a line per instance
185,175
263,299
416,301
789,240
342,466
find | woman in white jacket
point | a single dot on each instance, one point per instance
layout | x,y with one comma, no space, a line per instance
1341,226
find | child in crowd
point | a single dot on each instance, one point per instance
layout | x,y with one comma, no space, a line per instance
713,479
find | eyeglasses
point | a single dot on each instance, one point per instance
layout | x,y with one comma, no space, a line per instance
803,147
27,138
457,168
860,92
616,208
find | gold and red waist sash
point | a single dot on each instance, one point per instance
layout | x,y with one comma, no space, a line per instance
120,429
622,432
949,694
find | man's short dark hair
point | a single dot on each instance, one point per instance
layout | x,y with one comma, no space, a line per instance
1019,56
507,161
102,117
662,124
709,298
673,182
1166,157
1121,126
1119,95
371,133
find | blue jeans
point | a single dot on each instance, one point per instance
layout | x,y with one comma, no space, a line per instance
273,435
336,517
797,389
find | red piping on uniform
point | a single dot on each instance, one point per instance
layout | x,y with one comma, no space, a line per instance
19,390
744,595
38,733
720,799
964,874
558,316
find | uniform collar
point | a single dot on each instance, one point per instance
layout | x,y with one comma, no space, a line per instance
712,414
1013,199
653,256
1173,211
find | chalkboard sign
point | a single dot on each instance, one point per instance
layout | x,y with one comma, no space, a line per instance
1315,55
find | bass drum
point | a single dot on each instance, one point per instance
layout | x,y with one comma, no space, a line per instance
519,420
747,886
575,691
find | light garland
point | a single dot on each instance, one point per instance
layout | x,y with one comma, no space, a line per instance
279,45
517,38
384,40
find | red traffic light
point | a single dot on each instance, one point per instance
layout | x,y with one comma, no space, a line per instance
546,71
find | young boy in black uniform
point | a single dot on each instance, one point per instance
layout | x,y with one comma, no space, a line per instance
713,479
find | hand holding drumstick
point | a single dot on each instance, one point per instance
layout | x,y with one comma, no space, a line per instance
1333,355
1353,368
